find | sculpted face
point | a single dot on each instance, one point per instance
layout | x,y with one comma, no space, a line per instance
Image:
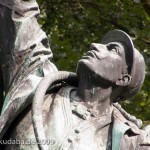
104,61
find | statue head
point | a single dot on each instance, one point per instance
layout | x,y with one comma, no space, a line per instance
114,62
134,60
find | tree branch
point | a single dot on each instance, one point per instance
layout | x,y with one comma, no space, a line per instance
116,24
146,5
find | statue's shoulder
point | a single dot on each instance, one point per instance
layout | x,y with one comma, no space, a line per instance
120,116
59,93
130,128
125,116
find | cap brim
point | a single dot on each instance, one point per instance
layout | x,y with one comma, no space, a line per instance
121,36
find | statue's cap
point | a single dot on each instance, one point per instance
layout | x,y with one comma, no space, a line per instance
135,61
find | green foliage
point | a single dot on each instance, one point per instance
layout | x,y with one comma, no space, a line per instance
72,25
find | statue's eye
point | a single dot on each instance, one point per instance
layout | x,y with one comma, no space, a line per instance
113,48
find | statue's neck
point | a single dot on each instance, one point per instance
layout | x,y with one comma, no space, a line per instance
94,97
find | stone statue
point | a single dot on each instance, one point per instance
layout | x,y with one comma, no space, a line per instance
47,109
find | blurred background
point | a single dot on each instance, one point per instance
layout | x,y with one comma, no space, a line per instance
72,25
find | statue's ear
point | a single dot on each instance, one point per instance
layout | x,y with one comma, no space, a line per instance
124,80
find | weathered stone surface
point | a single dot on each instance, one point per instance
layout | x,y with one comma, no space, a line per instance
77,112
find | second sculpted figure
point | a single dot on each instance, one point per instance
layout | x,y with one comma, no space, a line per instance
71,111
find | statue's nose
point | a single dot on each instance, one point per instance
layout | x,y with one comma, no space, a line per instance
102,51
98,47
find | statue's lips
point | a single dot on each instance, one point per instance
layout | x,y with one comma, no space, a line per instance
93,54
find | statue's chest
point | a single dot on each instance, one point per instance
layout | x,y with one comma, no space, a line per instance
77,129
87,136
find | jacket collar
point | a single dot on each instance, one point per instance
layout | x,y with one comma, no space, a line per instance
118,118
